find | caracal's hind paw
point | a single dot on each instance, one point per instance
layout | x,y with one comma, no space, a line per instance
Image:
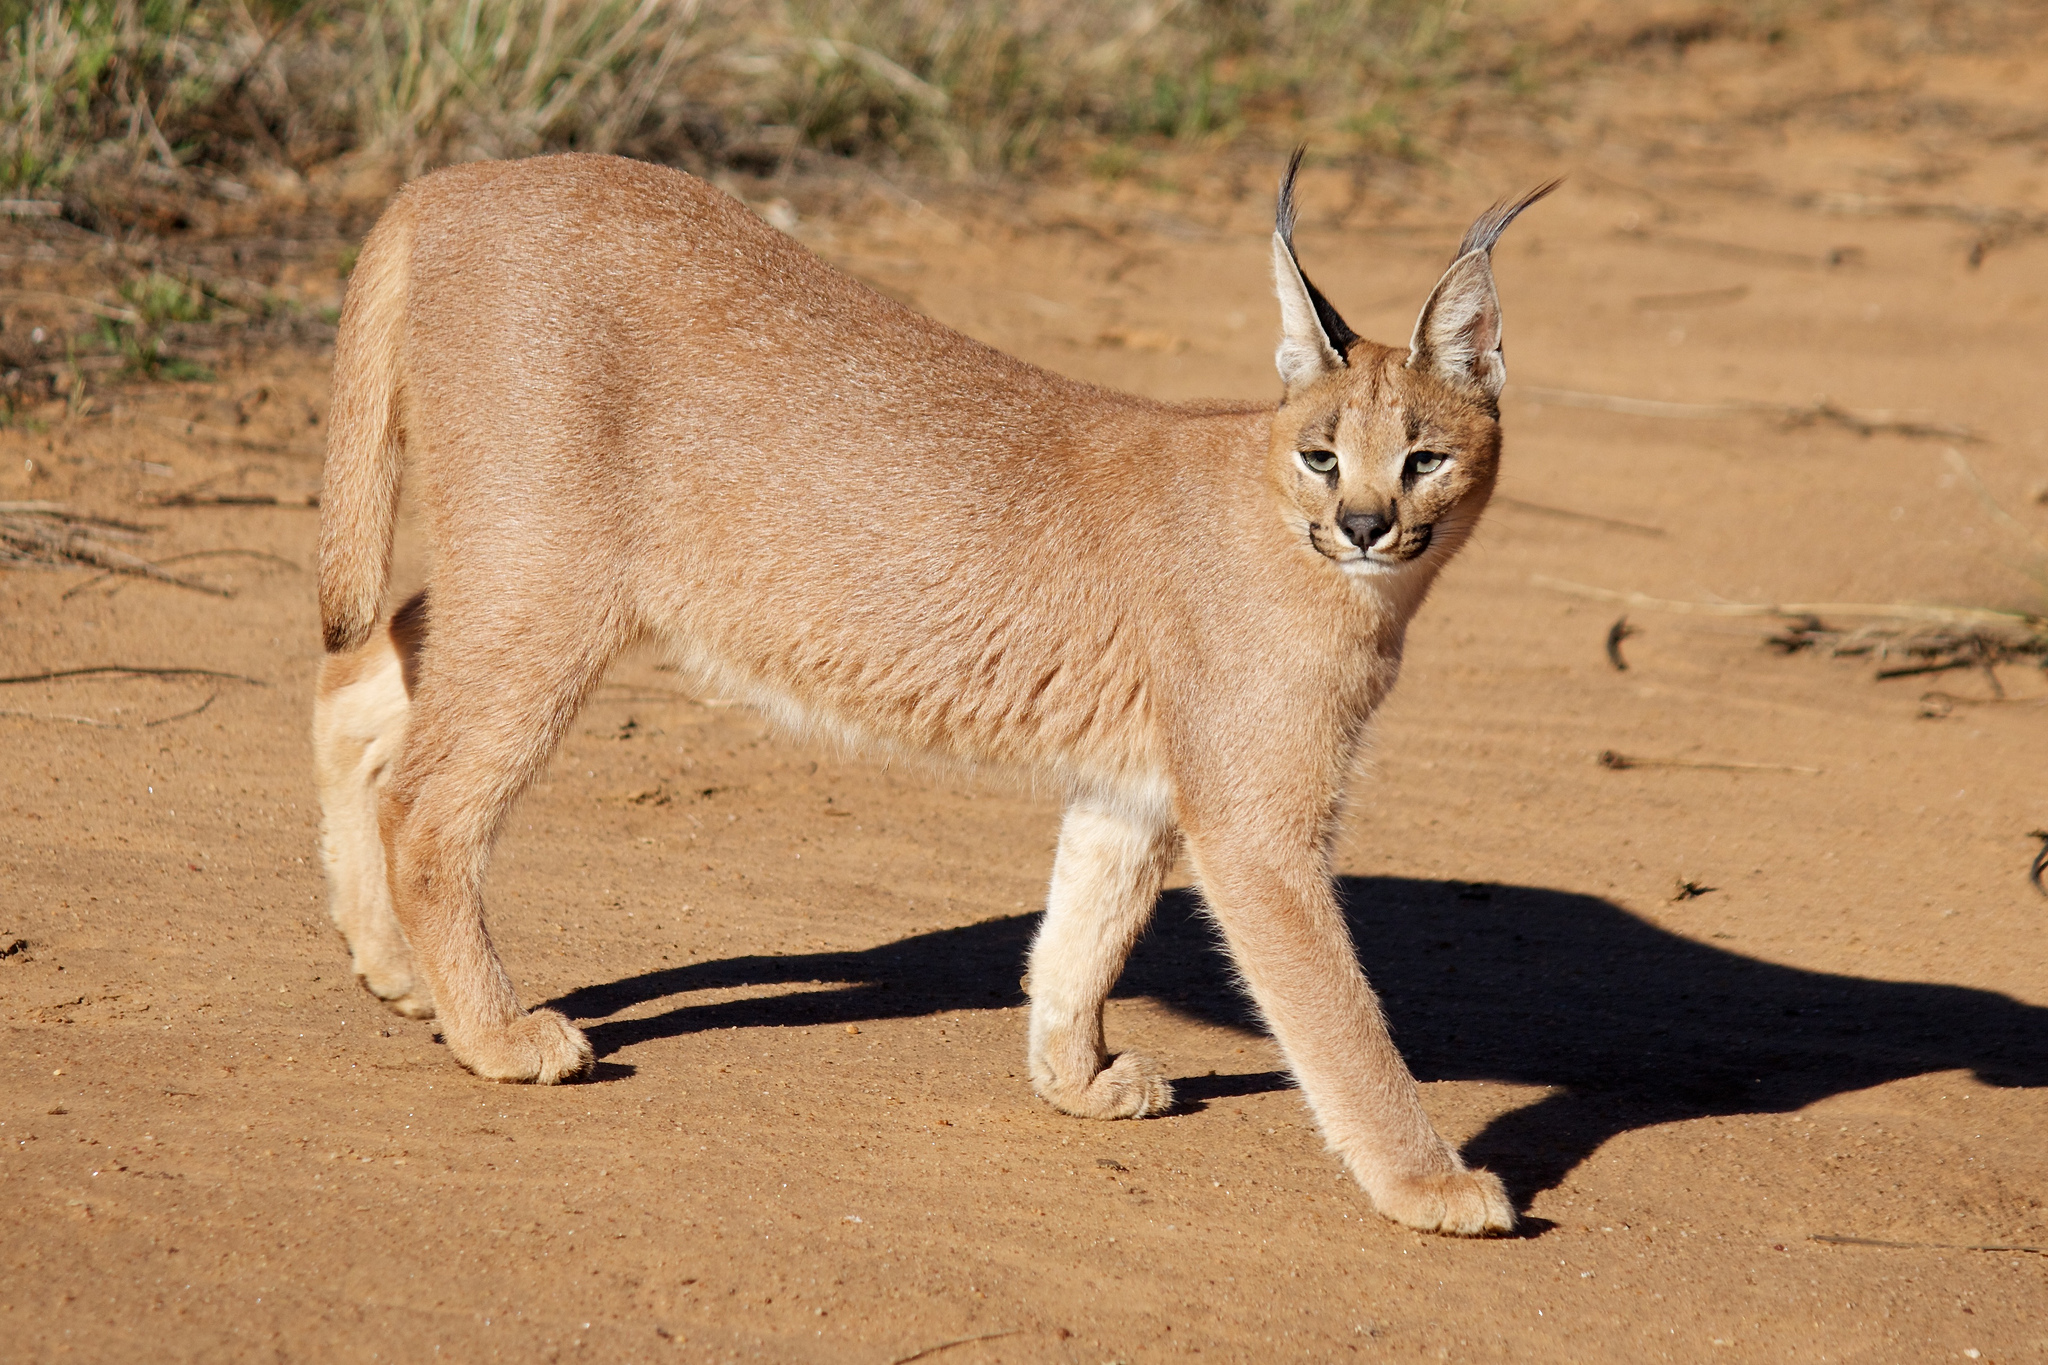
1462,1203
543,1048
1131,1087
413,1005
403,993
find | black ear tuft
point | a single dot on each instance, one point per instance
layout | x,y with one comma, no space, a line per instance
1336,331
1483,234
1283,209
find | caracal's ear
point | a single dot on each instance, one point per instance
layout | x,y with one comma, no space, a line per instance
1313,339
1458,335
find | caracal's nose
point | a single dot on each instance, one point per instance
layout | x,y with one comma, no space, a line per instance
1366,528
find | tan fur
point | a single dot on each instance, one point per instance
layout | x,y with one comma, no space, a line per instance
359,720
628,408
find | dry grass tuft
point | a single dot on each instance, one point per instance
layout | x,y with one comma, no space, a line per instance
241,97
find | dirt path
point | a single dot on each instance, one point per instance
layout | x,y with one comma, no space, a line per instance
810,1138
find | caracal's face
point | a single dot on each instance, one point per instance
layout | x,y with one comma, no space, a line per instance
1381,470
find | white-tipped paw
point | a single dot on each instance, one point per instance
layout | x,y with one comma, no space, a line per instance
405,993
542,1048
1130,1087
417,1005
1462,1203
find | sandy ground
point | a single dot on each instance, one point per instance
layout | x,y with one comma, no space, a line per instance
810,1139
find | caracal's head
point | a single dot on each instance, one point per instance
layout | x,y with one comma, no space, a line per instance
1383,458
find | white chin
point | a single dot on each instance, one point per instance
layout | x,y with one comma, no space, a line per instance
1365,566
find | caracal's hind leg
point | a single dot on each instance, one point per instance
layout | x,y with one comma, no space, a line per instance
1105,881
359,721
500,677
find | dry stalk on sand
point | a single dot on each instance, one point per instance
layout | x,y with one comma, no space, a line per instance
262,556
1616,633
1621,762
117,672
1862,421
1835,1239
202,497
1920,650
97,724
1894,611
51,535
1905,640
930,1351
1906,650
128,671
2040,863
1568,514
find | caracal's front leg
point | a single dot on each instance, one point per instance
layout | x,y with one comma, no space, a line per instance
1270,889
1105,881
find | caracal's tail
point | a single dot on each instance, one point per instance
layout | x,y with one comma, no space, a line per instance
365,436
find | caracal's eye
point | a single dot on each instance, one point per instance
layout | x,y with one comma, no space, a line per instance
1426,462
1321,461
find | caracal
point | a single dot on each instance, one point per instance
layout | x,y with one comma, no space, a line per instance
628,408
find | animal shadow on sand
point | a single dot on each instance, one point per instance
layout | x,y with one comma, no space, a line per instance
1631,1025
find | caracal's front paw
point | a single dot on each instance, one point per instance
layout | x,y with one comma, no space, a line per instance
1463,1203
1130,1087
542,1047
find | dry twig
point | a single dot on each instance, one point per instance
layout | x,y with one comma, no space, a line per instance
1862,421
203,498
949,1345
112,724
1925,649
1620,762
1611,523
263,555
1898,611
1691,298
128,671
62,719
1915,670
120,671
1616,633
129,530
1938,705
1833,1239
51,535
